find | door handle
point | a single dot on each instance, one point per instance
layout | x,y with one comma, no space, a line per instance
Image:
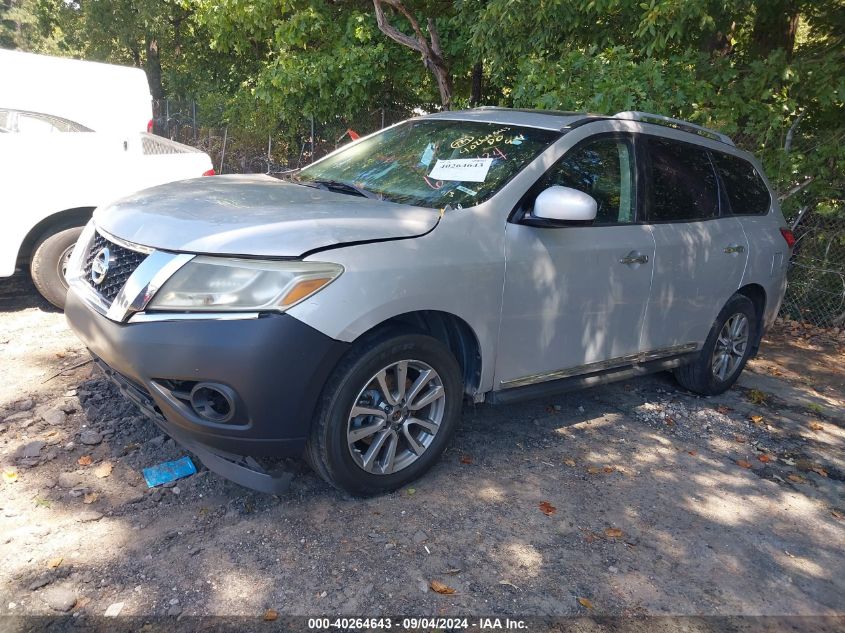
634,258
734,248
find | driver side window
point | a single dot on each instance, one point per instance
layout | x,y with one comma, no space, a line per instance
604,169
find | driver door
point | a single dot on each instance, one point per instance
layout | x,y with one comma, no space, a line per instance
575,297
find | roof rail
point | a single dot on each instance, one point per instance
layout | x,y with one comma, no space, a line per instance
686,126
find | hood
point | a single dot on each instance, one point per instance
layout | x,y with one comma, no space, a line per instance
256,215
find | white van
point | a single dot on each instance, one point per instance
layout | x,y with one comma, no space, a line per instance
73,136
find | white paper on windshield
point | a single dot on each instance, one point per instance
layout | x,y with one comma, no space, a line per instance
466,169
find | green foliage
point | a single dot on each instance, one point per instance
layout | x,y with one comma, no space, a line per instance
709,61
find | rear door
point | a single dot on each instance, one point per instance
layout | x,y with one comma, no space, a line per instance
701,252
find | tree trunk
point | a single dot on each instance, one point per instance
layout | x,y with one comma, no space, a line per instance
428,48
477,77
154,69
775,27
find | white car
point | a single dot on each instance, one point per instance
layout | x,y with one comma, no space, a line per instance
73,136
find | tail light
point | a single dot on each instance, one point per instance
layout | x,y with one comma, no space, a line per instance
209,172
150,126
788,236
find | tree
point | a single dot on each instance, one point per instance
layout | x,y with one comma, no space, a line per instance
428,47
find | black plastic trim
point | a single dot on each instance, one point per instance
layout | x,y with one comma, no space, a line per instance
276,366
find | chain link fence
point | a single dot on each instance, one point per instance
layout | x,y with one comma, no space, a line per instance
291,146
816,290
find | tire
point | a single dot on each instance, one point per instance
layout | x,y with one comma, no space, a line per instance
48,261
340,458
706,375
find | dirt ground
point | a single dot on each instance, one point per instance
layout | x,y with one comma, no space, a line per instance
629,499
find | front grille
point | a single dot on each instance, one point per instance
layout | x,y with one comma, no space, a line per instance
122,263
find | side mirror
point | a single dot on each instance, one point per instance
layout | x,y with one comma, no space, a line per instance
562,206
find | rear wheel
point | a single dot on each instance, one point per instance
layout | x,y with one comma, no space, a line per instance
49,264
386,414
725,351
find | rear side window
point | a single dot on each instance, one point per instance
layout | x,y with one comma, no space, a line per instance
747,193
683,185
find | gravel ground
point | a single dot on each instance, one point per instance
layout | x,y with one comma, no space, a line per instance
629,499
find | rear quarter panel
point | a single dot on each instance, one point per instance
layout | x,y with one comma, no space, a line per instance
768,258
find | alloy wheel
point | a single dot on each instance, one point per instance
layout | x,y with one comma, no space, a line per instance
395,417
730,347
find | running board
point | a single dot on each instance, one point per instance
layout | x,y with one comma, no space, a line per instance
574,383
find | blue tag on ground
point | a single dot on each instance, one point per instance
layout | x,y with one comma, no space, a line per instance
169,471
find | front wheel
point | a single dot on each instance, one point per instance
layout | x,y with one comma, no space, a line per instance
726,350
386,414
49,264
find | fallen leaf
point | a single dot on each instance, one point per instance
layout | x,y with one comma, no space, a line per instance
113,610
815,426
103,470
739,439
569,462
756,419
693,453
594,470
585,602
798,479
764,458
439,587
757,397
743,463
41,502
723,409
90,498
589,537
85,460
669,420
410,491
837,514
608,469
466,459
613,533
819,471
10,476
271,615
54,562
547,508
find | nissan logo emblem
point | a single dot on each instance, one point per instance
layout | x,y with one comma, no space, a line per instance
100,266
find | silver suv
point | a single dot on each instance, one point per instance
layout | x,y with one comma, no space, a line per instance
489,254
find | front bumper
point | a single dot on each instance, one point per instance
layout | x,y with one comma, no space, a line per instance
275,365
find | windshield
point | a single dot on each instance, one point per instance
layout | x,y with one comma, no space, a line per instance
431,163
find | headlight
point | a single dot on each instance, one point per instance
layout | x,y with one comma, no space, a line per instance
220,284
